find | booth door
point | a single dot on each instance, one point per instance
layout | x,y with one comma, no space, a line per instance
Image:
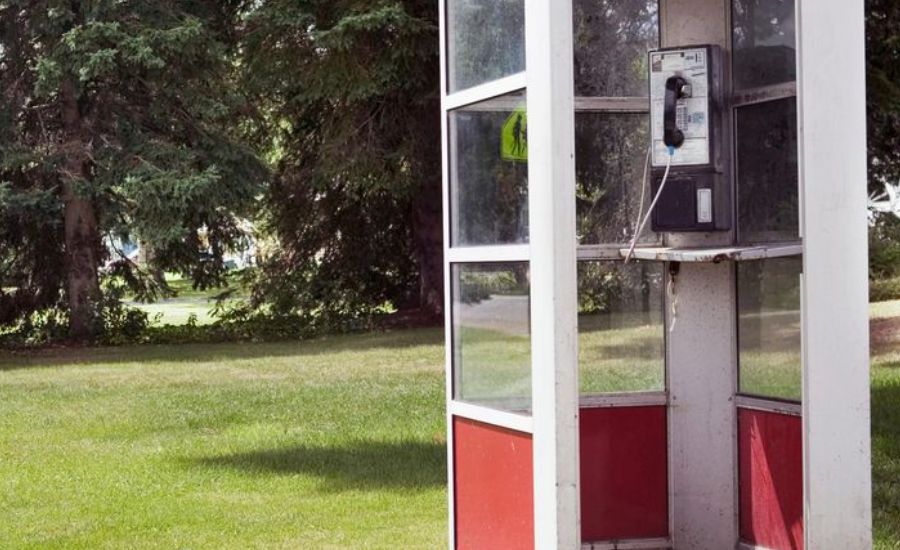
623,425
486,254
769,426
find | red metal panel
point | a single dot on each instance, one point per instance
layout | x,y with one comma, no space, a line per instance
771,479
493,487
624,481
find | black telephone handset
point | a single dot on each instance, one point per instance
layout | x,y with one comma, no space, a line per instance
675,90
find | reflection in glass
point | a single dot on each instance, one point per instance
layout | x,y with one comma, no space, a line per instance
489,173
486,41
768,177
769,327
612,38
610,153
491,335
620,326
764,43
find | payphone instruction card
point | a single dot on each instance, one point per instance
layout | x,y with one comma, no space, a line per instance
692,113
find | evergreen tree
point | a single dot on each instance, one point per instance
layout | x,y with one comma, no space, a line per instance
349,105
116,119
883,83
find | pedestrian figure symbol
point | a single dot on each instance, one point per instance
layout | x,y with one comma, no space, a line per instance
514,138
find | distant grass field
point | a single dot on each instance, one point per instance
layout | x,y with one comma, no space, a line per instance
331,443
188,302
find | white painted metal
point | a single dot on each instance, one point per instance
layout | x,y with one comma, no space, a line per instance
551,175
484,91
701,357
517,422
511,253
832,118
618,400
599,252
448,299
635,544
763,94
702,416
716,254
690,22
768,405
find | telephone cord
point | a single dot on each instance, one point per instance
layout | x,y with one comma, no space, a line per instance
662,186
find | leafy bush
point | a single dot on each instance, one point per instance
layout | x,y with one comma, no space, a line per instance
884,258
881,290
119,323
116,323
884,248
36,328
599,284
477,285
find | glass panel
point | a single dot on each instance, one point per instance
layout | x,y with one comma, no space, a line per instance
491,335
612,39
764,43
610,154
621,328
485,41
769,327
489,172
768,175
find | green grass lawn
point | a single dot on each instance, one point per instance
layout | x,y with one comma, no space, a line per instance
328,444
325,444
188,301
886,448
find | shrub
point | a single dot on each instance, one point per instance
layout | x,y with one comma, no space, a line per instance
881,290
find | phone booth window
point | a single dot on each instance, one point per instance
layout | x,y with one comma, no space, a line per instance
489,172
769,328
485,41
610,156
611,124
764,71
620,324
768,174
611,44
764,43
491,335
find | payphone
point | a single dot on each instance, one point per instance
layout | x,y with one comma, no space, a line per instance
689,158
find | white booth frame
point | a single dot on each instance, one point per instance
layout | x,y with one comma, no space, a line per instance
835,360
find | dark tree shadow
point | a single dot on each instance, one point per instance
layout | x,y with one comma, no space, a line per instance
364,465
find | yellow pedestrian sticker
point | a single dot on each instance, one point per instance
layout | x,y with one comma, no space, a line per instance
514,136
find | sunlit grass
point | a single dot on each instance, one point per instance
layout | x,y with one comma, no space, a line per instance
886,449
178,311
327,444
189,302
330,444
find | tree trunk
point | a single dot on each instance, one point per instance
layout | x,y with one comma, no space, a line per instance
81,229
427,216
148,259
428,235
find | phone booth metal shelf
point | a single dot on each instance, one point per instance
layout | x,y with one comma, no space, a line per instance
655,256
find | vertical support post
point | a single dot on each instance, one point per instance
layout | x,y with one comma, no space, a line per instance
554,332
836,417
701,367
448,298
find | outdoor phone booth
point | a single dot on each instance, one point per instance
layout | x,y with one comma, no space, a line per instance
655,256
